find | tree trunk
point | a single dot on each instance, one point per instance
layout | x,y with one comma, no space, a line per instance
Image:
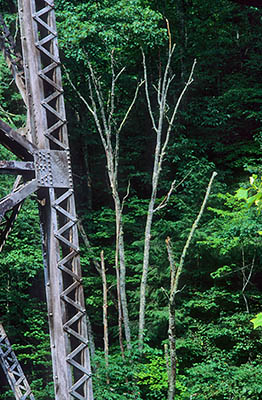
105,305
120,250
172,352
175,276
162,140
143,284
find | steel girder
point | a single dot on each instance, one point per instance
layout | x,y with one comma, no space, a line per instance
13,369
47,149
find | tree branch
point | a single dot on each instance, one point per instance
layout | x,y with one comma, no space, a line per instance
147,92
170,123
189,239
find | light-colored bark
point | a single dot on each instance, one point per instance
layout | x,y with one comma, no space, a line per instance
103,113
105,306
175,272
162,126
246,277
189,239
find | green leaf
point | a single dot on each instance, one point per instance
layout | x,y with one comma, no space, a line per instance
242,193
253,199
257,321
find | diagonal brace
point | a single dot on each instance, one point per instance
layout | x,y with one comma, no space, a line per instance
14,198
26,168
15,142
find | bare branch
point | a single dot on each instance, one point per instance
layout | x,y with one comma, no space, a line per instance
130,107
165,84
125,197
78,92
8,115
93,257
246,279
119,74
171,260
189,239
159,91
167,197
171,190
92,109
112,95
169,34
95,115
98,91
170,124
147,92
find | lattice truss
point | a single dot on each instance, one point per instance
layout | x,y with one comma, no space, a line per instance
13,370
46,169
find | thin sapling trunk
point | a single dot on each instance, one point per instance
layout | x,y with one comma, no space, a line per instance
175,272
162,132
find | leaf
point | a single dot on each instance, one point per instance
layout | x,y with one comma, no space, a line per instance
241,193
253,199
257,321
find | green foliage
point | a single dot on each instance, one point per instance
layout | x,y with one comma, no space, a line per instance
216,379
257,321
255,189
12,110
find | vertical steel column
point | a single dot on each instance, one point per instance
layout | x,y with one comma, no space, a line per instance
13,370
66,308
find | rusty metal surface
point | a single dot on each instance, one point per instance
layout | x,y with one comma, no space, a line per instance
13,370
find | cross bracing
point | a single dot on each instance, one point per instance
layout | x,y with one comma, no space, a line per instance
46,169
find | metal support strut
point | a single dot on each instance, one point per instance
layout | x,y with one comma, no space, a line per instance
13,370
46,170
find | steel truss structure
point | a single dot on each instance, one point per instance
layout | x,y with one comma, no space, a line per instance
13,370
45,169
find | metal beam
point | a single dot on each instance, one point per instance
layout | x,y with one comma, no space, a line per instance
9,218
49,150
64,290
15,142
13,369
17,167
11,200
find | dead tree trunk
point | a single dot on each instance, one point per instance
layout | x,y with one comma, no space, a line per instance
105,305
109,130
162,140
175,272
